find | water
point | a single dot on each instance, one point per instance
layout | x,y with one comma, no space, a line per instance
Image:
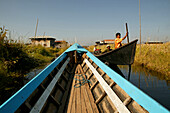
152,83
33,73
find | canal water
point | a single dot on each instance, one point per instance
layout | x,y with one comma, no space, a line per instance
33,73
152,83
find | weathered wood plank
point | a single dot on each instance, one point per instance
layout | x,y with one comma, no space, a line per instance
63,101
71,99
78,95
90,76
73,108
87,101
65,78
104,94
114,98
61,87
83,105
95,109
127,101
28,105
54,100
92,87
86,87
40,103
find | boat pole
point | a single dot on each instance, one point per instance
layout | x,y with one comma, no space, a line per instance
127,33
128,42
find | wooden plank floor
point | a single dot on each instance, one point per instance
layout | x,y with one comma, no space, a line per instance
81,99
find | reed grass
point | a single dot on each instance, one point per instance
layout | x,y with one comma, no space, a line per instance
15,61
154,57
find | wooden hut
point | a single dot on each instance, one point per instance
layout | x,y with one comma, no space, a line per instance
61,44
46,41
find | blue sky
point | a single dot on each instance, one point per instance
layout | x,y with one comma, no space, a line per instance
87,20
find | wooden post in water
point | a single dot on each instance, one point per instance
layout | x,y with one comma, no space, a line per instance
140,26
129,72
75,55
128,42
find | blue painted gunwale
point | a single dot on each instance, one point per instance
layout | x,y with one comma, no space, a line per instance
14,102
139,96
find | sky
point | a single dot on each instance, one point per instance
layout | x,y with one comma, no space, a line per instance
86,20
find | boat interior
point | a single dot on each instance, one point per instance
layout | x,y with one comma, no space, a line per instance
72,87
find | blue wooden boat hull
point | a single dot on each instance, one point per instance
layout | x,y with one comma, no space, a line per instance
41,93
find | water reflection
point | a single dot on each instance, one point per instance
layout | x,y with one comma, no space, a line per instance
33,73
152,83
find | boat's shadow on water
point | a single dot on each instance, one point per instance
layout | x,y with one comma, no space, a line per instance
152,83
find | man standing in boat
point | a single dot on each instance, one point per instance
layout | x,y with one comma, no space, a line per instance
118,40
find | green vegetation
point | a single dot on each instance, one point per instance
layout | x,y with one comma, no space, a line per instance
154,57
16,60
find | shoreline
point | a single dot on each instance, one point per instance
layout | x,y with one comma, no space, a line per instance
154,57
164,74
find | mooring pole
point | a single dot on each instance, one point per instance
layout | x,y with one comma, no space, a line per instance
36,28
129,72
75,54
140,26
